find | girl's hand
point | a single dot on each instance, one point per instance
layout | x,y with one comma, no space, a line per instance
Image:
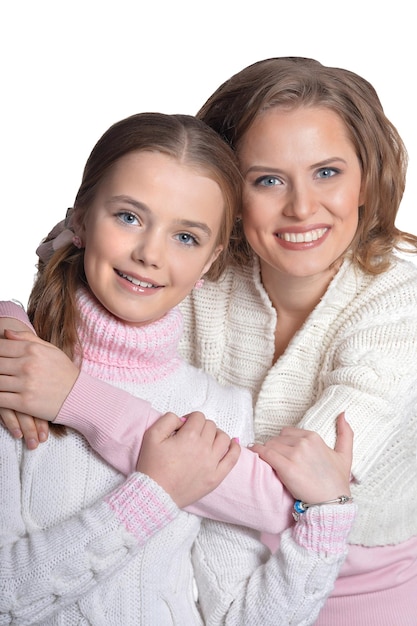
310,470
35,376
188,457
32,429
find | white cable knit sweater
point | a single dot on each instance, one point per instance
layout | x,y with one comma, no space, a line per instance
357,351
71,554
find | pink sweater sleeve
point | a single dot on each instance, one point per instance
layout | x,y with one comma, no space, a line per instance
113,422
15,311
250,495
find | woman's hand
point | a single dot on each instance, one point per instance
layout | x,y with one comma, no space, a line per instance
188,457
20,425
310,470
35,379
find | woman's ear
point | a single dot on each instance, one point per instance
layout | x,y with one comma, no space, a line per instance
362,193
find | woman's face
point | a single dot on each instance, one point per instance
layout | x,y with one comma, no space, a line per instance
302,190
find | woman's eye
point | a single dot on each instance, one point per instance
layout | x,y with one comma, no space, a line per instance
327,172
187,239
127,218
268,181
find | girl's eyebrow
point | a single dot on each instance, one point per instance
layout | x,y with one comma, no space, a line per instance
130,200
143,207
191,224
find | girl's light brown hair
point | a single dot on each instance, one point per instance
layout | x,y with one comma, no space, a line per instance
291,82
52,303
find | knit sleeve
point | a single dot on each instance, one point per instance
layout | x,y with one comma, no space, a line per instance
251,494
44,570
111,419
240,582
13,310
370,372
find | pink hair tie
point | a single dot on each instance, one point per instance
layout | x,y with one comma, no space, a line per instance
61,235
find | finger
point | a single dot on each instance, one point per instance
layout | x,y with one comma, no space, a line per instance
10,384
230,458
344,439
256,447
22,335
272,456
166,426
30,432
42,426
194,422
10,348
221,441
10,421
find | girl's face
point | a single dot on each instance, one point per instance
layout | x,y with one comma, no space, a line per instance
302,190
149,235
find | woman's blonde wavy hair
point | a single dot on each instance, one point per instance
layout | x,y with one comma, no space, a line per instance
292,82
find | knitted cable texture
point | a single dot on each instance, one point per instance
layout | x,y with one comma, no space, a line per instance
355,352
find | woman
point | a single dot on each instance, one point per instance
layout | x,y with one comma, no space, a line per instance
318,311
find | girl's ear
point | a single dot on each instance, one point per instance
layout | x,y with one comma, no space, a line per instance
211,260
78,223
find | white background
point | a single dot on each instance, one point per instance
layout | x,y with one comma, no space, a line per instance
69,70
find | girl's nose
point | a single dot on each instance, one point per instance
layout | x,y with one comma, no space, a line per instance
149,250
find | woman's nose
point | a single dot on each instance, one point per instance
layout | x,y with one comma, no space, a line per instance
301,203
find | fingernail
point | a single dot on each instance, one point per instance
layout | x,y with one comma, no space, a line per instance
17,433
32,444
42,437
183,419
236,439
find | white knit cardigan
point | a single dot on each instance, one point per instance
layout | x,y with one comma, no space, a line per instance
357,352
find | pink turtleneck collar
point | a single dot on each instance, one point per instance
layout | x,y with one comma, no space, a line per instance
115,350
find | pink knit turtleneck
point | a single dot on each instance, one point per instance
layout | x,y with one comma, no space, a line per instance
122,352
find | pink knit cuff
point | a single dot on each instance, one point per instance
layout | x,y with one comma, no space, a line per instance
142,506
325,529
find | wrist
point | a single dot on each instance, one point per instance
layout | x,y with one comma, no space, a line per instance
325,529
301,507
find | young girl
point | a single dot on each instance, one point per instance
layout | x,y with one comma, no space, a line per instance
152,216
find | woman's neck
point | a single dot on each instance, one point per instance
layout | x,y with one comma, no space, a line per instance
293,298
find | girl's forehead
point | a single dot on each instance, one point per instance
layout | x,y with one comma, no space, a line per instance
158,157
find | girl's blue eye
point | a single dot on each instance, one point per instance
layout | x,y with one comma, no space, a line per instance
127,218
187,239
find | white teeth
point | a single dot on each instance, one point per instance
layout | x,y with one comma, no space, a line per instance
137,282
311,235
